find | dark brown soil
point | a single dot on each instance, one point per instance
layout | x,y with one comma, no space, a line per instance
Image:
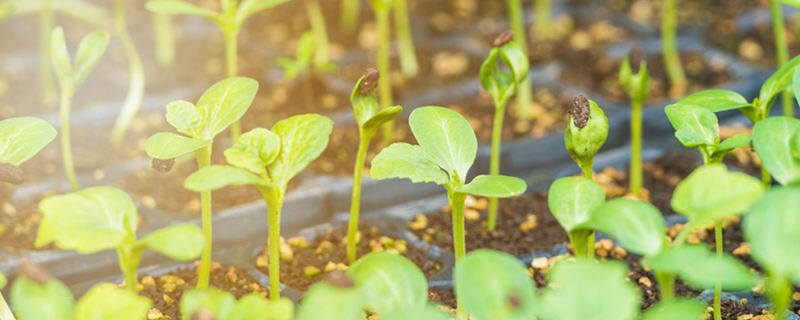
756,45
166,290
646,282
443,295
735,310
601,76
329,252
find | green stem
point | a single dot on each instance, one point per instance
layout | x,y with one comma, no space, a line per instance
66,144
204,273
780,291
164,39
587,171
523,101
405,42
46,21
494,162
321,47
782,50
231,33
718,287
384,68
350,10
136,78
672,61
129,259
636,149
355,201
543,21
5,311
274,198
457,201
582,243
666,285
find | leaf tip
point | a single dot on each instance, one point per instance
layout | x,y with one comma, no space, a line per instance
503,38
370,82
11,173
579,109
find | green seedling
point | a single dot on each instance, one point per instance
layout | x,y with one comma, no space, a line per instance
268,160
572,200
781,48
446,151
501,86
777,143
221,105
369,118
136,81
698,128
234,13
102,218
20,140
672,61
509,294
70,76
517,21
35,295
305,60
164,39
213,303
586,132
634,77
408,59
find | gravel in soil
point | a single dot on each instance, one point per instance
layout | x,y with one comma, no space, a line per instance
304,262
166,290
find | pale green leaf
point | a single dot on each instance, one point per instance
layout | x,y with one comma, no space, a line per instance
167,145
255,307
496,186
694,126
178,7
389,282
216,177
402,160
184,117
219,303
382,117
254,150
772,142
31,300
250,7
180,242
778,81
61,60
737,141
22,138
583,143
699,267
303,138
573,199
716,100
683,309
224,103
429,312
500,85
106,301
90,50
364,106
324,300
712,193
447,137
505,293
88,220
772,227
636,224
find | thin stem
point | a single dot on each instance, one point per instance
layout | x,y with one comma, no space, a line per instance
66,144
543,22
636,149
457,201
405,42
231,61
780,290
494,162
587,171
523,101
129,263
582,243
46,83
385,85
666,285
718,287
5,311
164,39
781,50
321,47
350,10
672,61
204,273
136,77
355,201
684,234
274,198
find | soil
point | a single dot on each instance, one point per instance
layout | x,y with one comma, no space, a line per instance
702,13
736,310
166,290
601,76
304,263
755,45
18,226
442,17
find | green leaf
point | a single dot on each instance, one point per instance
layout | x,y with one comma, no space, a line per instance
689,309
382,117
772,227
217,302
106,301
573,199
636,224
250,7
216,177
81,10
496,186
737,141
180,242
501,85
777,82
303,138
794,144
702,269
507,294
91,48
224,103
381,5
447,137
402,160
429,312
712,193
255,307
185,117
583,143
771,140
389,282
88,220
31,300
694,126
22,138
254,150
178,7
716,100
589,290
62,62
324,300
167,145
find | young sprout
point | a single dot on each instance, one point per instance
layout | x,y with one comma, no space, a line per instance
103,218
305,59
672,60
369,118
20,140
781,50
164,39
634,77
509,291
586,132
517,21
136,85
268,160
221,105
572,200
219,304
501,86
230,20
35,295
697,127
70,77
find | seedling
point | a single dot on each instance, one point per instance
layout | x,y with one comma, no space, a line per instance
501,86
697,127
305,59
20,140
572,200
268,160
220,106
781,49
70,77
369,118
586,132
517,21
103,218
230,20
408,59
35,295
634,77
672,61
221,304
135,75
